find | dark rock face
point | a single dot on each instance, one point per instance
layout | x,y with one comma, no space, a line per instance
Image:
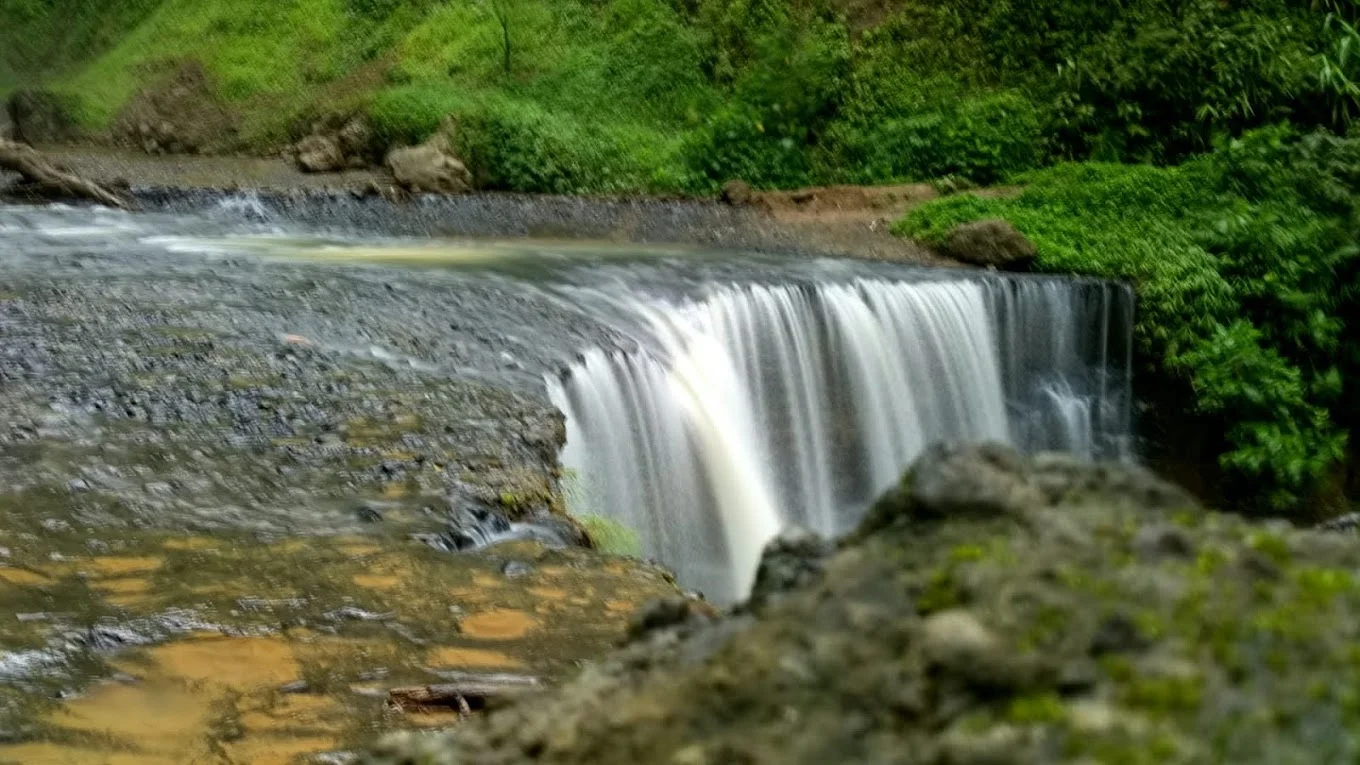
38,117
994,243
995,609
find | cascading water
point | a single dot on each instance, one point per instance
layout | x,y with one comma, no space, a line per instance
764,406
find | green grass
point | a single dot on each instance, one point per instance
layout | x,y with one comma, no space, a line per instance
610,536
596,98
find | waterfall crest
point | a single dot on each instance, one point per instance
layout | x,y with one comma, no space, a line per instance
763,406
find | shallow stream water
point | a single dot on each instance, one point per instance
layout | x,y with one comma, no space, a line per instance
241,450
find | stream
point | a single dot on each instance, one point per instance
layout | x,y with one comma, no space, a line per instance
258,468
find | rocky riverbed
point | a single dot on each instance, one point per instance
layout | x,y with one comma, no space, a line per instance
243,493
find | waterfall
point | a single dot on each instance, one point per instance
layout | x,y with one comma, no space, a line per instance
763,406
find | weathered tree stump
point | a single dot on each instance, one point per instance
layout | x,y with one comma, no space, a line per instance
52,180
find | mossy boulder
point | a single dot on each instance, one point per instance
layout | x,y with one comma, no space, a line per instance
1023,610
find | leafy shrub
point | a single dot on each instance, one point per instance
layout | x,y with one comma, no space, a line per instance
1245,264
983,138
769,132
520,147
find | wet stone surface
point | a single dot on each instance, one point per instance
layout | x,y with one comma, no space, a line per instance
242,496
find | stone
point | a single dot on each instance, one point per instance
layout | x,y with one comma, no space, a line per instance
792,560
992,243
737,193
319,154
432,167
958,643
987,480
1163,540
356,140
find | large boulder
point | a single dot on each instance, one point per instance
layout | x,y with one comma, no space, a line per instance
432,167
998,609
992,243
319,154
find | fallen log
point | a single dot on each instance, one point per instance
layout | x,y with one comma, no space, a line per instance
469,694
52,180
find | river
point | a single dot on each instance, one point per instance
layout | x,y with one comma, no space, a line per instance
235,436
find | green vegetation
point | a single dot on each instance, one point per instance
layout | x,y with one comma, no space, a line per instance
608,535
682,95
1246,266
1238,232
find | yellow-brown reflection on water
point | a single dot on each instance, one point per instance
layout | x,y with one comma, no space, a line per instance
206,699
219,697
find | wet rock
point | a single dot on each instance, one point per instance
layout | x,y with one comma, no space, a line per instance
515,569
993,243
319,154
952,481
370,513
790,561
354,613
1163,540
666,614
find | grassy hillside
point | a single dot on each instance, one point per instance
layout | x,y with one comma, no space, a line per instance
606,95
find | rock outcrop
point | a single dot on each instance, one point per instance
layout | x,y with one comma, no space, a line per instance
432,167
320,154
993,243
993,608
337,144
40,117
180,114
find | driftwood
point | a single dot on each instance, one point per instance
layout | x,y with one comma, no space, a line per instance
470,693
50,179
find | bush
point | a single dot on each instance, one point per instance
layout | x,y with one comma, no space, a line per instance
984,138
1245,265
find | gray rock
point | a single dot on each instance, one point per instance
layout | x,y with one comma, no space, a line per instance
356,140
432,167
1163,540
319,154
429,168
987,480
792,560
993,242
